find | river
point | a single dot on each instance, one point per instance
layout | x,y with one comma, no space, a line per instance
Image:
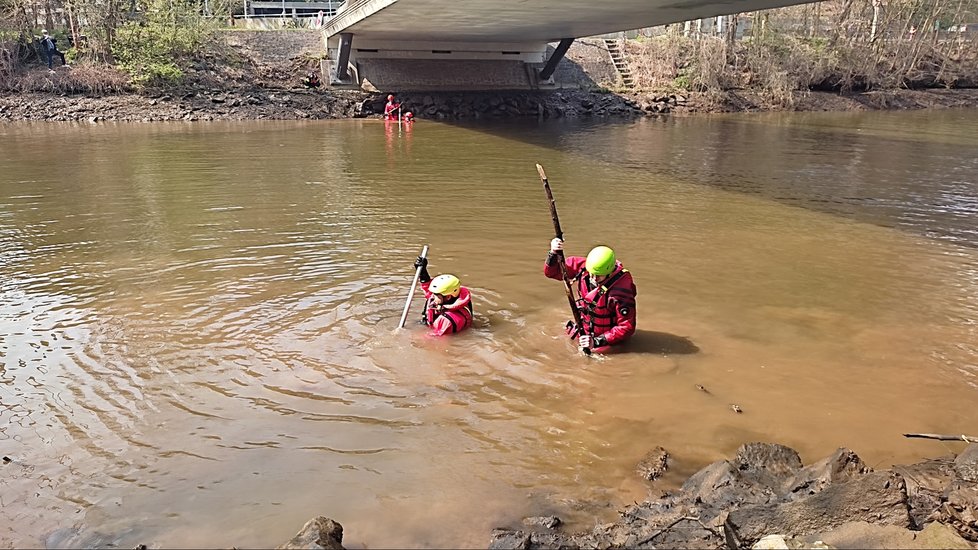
197,320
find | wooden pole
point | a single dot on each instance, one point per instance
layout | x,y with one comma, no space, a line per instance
560,255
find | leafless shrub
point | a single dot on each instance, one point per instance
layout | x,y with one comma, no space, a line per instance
837,45
657,62
97,79
676,62
84,78
709,69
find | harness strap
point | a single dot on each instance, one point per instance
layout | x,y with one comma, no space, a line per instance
589,302
445,313
603,289
451,321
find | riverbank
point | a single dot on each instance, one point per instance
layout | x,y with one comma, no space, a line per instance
765,498
300,104
250,75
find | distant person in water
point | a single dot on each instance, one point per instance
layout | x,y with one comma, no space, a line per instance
392,109
448,304
409,117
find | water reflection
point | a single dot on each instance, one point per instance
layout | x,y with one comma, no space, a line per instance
892,169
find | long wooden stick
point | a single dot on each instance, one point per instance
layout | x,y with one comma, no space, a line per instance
658,532
414,284
560,253
965,438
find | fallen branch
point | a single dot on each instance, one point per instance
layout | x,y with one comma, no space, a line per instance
965,438
649,538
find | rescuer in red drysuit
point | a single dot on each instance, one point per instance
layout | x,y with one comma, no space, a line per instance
448,304
606,296
392,109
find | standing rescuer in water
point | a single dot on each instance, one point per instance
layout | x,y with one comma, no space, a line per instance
392,108
606,296
448,304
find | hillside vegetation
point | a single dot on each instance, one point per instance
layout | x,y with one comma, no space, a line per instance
838,45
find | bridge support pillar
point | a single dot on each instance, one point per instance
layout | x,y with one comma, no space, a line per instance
559,51
343,59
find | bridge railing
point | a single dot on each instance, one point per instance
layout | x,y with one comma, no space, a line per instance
291,8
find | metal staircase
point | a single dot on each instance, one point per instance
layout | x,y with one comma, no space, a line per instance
621,64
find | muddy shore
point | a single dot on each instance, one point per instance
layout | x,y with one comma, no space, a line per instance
262,103
764,497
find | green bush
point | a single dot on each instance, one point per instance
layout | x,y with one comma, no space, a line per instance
147,54
151,49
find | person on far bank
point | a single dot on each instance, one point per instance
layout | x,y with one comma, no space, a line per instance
50,47
448,304
606,296
392,109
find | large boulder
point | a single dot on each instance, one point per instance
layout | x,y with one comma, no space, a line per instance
860,534
319,533
877,497
927,485
843,465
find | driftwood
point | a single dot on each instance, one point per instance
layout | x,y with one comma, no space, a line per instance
658,532
965,438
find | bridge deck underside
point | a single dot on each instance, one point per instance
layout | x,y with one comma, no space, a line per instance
509,21
436,74
455,44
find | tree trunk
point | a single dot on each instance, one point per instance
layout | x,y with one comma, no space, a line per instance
816,19
69,9
732,21
49,16
843,18
876,20
33,13
109,25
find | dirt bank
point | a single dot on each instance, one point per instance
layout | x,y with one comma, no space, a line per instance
296,104
255,76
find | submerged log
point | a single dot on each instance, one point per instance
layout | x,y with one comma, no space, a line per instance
965,438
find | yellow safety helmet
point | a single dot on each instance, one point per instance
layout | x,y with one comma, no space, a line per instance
446,285
600,261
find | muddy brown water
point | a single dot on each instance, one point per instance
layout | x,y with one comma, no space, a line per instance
197,320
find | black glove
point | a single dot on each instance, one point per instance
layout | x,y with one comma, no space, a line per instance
422,263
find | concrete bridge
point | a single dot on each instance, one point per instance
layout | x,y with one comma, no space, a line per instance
487,44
